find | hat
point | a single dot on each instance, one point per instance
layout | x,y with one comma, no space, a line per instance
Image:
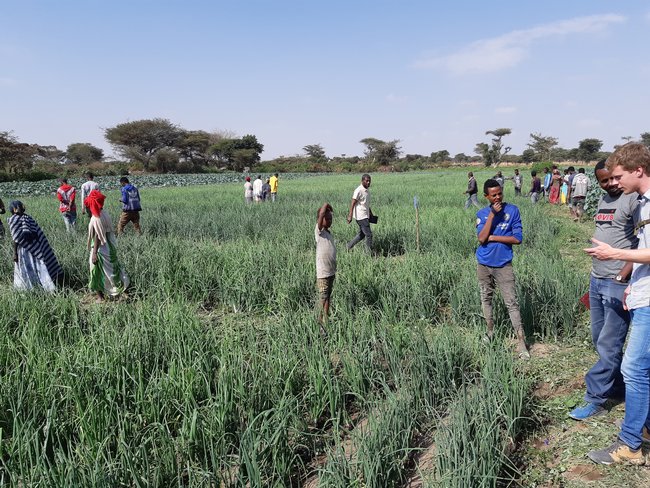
248,178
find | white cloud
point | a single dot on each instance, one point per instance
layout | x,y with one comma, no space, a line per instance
505,110
507,50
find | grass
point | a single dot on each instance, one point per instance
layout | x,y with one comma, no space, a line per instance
213,371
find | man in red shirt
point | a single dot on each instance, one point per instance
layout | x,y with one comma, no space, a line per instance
66,194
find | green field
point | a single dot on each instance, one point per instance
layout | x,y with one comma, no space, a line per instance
212,372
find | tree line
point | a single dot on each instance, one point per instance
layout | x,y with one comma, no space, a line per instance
158,145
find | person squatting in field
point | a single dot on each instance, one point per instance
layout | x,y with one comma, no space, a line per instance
498,228
609,319
361,212
66,194
325,261
35,265
107,277
630,171
130,206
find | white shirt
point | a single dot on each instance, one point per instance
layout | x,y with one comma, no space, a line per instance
640,281
257,187
325,253
248,190
86,188
362,196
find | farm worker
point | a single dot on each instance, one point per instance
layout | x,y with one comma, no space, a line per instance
67,206
361,212
556,183
498,227
325,261
471,192
130,206
248,190
535,187
547,182
2,210
499,178
107,277
629,166
34,262
564,189
257,189
579,188
266,190
517,180
86,188
609,319
273,181
571,173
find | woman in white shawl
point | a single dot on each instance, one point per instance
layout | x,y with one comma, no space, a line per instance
106,275
35,265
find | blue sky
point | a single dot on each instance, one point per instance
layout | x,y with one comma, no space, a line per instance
435,75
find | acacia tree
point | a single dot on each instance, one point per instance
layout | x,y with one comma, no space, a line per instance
315,152
381,152
588,149
645,138
238,153
16,157
542,146
83,153
493,153
140,140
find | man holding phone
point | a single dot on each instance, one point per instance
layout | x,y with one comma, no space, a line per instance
361,212
498,228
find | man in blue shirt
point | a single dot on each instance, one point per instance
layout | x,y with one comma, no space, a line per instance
498,227
130,206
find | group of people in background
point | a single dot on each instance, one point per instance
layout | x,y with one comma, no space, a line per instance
35,264
261,191
569,189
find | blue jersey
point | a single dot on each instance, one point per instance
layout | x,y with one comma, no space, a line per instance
505,223
130,198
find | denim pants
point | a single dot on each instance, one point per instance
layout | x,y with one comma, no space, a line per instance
609,324
70,220
364,233
636,372
472,200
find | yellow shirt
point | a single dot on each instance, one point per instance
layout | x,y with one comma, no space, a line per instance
273,181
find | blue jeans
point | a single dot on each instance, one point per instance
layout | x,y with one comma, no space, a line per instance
609,324
364,233
636,371
472,200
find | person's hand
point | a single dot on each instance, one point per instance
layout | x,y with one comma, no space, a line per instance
627,291
15,257
601,250
83,211
497,207
349,219
94,258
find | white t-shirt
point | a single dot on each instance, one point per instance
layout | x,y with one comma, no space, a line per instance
362,196
325,253
248,190
86,188
257,187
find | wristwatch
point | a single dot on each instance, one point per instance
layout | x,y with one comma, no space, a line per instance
620,279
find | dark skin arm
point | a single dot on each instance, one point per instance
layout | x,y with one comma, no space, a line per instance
15,252
352,205
485,235
626,271
321,215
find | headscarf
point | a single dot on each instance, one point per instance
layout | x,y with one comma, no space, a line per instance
95,202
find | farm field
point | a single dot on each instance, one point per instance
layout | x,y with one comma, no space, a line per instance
212,371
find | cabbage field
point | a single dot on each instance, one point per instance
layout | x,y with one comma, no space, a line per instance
212,371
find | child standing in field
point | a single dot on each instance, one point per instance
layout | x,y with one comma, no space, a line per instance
325,260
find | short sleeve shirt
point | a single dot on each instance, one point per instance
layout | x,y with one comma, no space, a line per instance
505,223
362,196
614,226
325,253
640,282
